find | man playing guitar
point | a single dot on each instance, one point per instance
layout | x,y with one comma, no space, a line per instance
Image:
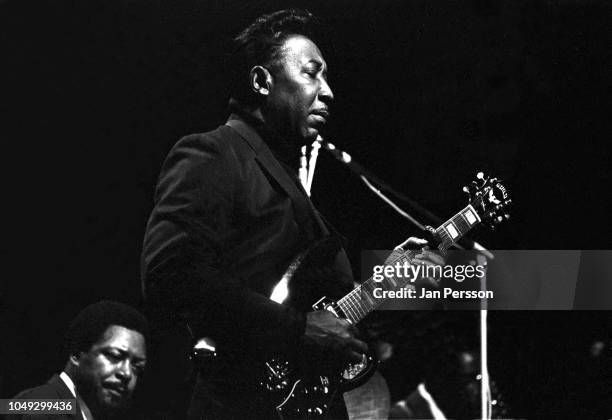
230,217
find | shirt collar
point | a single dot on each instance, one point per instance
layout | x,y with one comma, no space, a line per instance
64,377
68,381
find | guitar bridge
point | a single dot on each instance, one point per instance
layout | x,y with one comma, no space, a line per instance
326,304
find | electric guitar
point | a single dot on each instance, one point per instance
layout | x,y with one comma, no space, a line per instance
295,395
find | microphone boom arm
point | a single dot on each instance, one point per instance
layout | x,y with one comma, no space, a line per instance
368,179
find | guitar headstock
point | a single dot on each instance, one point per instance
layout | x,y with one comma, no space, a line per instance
490,199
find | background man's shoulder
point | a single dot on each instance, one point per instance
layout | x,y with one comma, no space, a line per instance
51,389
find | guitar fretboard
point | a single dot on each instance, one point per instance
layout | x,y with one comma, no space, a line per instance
361,301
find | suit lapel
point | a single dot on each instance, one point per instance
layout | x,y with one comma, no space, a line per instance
302,206
64,393
61,388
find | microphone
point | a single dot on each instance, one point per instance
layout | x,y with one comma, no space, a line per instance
358,169
348,160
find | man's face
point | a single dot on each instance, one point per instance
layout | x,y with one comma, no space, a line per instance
109,371
297,104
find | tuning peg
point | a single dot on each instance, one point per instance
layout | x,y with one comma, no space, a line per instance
475,189
480,175
466,189
500,219
507,216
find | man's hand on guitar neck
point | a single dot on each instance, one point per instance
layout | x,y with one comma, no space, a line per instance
427,256
330,341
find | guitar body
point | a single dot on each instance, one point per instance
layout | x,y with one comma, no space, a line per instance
298,395
302,395
309,398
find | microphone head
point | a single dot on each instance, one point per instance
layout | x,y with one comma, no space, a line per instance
338,154
346,158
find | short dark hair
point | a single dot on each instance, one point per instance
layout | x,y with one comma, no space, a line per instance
91,323
260,44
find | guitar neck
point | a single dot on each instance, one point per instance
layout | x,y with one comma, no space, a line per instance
361,301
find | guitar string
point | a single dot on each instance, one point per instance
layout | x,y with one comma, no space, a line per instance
347,300
346,310
350,313
358,307
357,300
354,313
353,308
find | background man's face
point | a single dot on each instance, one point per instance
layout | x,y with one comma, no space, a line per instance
109,371
297,105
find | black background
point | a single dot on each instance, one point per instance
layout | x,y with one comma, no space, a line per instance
94,94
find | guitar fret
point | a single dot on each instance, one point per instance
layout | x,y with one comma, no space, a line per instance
358,309
369,285
370,302
360,305
471,215
357,304
350,313
466,218
457,226
352,309
361,291
451,229
391,282
462,224
443,234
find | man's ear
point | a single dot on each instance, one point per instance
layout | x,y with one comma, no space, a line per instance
75,359
261,80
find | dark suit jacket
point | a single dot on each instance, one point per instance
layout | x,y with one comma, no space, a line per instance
228,220
55,388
